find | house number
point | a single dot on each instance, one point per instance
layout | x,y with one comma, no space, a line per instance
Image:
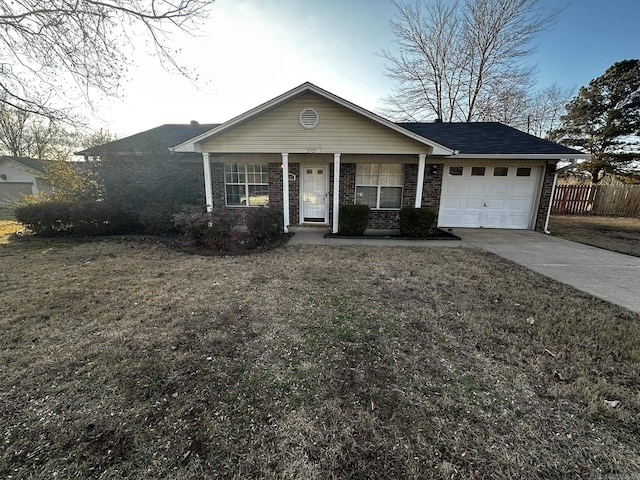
312,150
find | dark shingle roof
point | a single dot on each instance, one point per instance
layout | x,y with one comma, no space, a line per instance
32,163
473,138
486,138
158,139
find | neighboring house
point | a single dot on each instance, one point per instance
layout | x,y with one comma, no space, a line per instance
308,151
21,175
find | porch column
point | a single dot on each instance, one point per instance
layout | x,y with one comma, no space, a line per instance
336,190
208,188
421,162
285,191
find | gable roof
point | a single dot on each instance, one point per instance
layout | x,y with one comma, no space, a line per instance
157,139
489,138
193,144
32,163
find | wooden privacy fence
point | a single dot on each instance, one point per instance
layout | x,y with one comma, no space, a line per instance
621,200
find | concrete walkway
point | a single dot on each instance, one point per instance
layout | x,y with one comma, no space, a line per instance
608,275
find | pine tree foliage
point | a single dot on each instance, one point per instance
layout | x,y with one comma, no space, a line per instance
604,120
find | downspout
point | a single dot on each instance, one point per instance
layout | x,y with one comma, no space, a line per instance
553,192
574,162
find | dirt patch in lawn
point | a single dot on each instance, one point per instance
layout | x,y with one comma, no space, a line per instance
122,359
618,234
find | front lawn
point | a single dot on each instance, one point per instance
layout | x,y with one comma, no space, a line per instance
124,359
618,234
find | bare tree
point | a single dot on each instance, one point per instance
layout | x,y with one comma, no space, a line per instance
55,51
12,130
456,60
24,134
546,108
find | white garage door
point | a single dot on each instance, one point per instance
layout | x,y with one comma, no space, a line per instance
488,196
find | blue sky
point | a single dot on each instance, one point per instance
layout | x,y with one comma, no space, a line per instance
250,51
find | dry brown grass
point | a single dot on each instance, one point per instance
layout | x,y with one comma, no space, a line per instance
124,359
618,234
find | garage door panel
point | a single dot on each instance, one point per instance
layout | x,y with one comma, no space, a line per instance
493,220
523,188
471,218
471,203
454,187
499,188
490,201
476,187
454,203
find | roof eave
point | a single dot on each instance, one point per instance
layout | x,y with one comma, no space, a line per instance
194,144
33,171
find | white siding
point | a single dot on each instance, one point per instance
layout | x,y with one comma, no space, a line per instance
339,131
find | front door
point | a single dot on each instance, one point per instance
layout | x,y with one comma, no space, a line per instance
315,195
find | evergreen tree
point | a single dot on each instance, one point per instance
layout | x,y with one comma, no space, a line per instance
604,121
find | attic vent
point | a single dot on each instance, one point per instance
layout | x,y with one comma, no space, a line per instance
309,118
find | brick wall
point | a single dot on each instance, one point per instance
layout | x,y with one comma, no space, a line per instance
217,180
275,186
545,198
194,173
294,195
432,187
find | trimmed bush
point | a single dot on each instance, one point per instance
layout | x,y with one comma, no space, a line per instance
353,219
101,218
50,219
416,222
214,230
157,218
263,224
46,218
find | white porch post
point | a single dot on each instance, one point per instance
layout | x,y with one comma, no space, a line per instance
336,191
421,163
208,188
285,191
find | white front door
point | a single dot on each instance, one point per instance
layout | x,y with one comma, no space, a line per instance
314,194
488,196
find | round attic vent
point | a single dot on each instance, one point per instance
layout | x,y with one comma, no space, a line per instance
309,118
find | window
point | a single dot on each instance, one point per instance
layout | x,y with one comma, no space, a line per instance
379,185
456,171
477,171
523,172
500,171
246,184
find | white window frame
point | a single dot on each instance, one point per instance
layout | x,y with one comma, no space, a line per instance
379,187
243,169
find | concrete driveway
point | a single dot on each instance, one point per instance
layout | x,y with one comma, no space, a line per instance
608,275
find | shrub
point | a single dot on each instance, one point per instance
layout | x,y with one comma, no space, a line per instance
157,218
45,218
263,224
416,222
101,218
81,218
215,229
353,219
